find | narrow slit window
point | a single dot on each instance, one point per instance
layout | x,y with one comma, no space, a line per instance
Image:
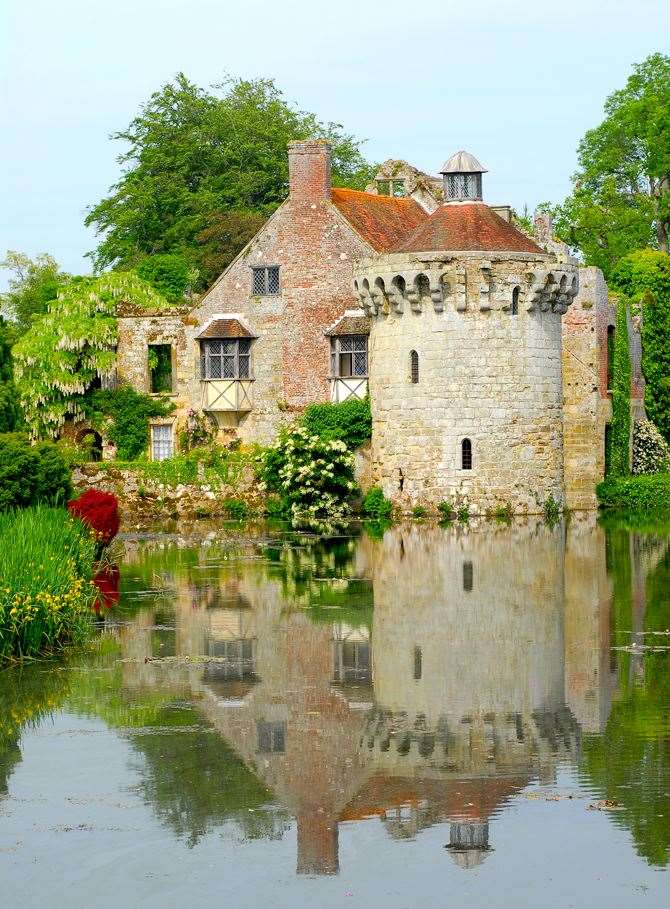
468,576
466,454
414,367
160,368
265,281
515,301
418,663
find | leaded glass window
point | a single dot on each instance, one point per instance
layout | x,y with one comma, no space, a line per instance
265,281
271,737
225,358
463,186
161,441
349,356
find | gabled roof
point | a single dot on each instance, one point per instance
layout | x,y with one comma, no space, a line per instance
383,221
465,226
225,327
352,322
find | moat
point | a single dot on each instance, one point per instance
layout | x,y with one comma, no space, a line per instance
427,716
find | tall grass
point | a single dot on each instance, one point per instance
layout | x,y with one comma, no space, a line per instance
46,594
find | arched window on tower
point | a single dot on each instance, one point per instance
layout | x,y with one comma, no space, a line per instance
414,367
466,454
515,301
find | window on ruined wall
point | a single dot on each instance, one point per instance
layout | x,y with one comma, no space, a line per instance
161,442
265,281
394,188
225,358
610,357
418,663
515,301
349,356
466,454
271,737
160,368
414,367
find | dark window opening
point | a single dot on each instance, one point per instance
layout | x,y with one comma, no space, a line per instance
515,301
466,454
401,479
610,357
91,442
349,356
271,737
414,366
160,368
225,358
468,576
418,662
265,281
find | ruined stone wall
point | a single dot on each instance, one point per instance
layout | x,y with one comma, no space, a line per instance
484,374
314,248
586,405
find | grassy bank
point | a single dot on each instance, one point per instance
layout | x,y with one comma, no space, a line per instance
636,493
46,594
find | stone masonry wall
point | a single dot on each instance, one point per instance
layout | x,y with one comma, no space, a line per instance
485,375
586,405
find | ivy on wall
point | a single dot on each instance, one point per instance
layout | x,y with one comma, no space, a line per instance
619,454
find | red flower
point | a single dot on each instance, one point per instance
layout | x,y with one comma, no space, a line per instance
99,511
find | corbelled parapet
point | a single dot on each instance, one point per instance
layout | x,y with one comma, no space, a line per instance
467,282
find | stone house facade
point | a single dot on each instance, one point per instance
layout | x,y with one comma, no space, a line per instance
484,351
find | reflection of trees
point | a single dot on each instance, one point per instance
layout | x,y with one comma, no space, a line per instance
195,783
631,761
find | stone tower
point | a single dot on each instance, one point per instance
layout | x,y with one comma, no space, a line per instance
465,356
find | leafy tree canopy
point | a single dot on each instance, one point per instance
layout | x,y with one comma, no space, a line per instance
9,408
169,274
33,284
194,155
621,196
73,344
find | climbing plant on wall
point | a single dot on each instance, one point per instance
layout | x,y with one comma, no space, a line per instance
619,455
57,361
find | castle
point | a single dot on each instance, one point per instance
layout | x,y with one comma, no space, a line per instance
485,352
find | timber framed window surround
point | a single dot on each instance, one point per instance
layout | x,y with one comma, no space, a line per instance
265,281
225,358
349,356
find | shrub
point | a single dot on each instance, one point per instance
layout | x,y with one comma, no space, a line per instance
350,421
31,474
46,593
446,511
198,429
503,514
619,455
552,511
419,512
99,511
463,514
376,506
236,508
315,475
651,453
124,415
651,491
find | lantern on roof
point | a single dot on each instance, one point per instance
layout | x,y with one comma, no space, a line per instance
462,176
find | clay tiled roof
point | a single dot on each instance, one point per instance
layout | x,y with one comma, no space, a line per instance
383,221
226,328
350,324
467,226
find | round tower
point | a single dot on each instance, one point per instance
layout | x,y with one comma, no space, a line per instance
465,356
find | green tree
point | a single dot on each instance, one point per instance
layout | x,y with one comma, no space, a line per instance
9,406
66,350
644,276
621,196
33,284
621,419
193,154
169,274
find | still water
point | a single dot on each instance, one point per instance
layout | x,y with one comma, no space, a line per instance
475,716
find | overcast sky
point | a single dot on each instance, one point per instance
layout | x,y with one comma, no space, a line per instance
515,83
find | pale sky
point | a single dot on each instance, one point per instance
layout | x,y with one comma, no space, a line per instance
516,83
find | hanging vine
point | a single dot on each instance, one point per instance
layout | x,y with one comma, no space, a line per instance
620,437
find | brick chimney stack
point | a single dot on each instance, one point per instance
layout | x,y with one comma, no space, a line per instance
309,170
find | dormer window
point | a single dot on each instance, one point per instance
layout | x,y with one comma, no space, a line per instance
349,356
265,281
394,188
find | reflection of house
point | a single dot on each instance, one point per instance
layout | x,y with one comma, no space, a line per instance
448,707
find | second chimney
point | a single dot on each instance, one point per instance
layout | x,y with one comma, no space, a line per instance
309,170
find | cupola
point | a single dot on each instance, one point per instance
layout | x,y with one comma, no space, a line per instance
462,176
